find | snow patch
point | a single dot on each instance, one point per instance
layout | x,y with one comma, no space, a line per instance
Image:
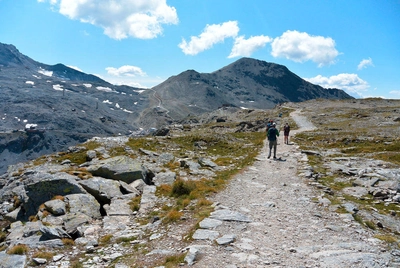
105,89
30,82
45,72
57,87
127,111
107,101
88,85
28,126
117,105
139,91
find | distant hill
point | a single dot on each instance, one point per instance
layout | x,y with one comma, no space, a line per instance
72,106
247,83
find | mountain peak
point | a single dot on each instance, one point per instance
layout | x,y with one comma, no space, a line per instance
11,57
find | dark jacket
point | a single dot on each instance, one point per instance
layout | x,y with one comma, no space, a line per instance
272,134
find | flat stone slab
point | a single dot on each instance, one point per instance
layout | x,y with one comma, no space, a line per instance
229,215
202,234
208,223
226,239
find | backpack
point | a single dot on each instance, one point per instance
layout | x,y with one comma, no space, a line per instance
272,133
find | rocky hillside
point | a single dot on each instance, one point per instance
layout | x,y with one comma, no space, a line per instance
121,190
144,202
66,106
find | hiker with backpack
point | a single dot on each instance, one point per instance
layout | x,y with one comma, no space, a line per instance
286,130
272,135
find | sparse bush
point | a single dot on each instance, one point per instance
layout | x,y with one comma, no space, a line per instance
68,242
172,216
181,188
3,236
44,255
105,239
58,197
387,238
204,202
174,261
18,250
134,204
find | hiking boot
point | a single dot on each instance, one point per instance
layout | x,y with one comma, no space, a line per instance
274,157
269,156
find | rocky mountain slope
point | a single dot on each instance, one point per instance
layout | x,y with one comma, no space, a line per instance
206,194
67,107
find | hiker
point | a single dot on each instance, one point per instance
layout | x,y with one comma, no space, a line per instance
269,125
272,135
286,130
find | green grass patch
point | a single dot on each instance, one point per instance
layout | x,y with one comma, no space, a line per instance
134,204
20,249
387,238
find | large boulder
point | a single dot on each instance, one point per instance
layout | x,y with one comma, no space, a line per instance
84,204
102,189
121,168
42,188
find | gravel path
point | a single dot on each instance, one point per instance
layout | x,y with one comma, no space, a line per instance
288,225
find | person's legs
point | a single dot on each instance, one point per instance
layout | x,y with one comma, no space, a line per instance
275,145
270,148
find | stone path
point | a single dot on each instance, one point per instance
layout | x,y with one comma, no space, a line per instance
268,217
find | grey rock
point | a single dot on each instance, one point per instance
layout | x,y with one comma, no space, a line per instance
41,187
148,199
148,152
128,189
204,162
72,222
165,158
138,185
102,189
53,232
351,208
229,215
12,261
208,223
121,168
192,255
164,178
118,207
83,203
226,239
56,207
90,155
39,261
201,234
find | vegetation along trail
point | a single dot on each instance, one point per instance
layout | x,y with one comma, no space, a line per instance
274,218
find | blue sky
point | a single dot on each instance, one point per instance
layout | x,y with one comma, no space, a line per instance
353,45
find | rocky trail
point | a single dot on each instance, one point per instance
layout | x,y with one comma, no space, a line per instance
269,216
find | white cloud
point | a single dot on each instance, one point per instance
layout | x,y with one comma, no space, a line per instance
301,47
212,34
246,47
120,19
349,82
365,63
395,92
125,70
